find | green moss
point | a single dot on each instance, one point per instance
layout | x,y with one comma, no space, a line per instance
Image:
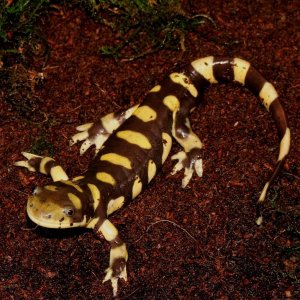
17,19
42,146
144,26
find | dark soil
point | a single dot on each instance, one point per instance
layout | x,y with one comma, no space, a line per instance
195,243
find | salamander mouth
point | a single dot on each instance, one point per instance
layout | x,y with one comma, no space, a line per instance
37,218
44,219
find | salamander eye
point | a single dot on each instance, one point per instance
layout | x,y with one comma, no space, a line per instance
69,211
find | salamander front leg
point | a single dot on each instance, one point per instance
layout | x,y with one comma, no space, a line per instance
43,164
118,255
189,159
97,133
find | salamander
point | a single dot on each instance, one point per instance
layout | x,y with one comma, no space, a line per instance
131,146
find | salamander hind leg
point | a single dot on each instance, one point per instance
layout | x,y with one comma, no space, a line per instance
189,159
43,164
98,132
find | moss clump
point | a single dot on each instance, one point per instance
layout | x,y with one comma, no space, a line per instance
144,26
17,22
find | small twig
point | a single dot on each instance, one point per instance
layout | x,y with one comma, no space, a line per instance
127,296
174,224
205,17
290,174
134,57
30,229
46,119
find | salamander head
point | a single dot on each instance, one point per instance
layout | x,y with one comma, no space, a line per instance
59,205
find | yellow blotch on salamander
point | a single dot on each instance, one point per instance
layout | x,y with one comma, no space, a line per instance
44,161
155,89
171,102
137,186
151,169
183,80
117,159
105,177
204,66
285,145
135,138
145,113
75,200
95,194
240,69
108,230
115,204
167,144
77,178
268,94
57,173
51,188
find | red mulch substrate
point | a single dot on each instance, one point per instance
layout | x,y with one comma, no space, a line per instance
195,243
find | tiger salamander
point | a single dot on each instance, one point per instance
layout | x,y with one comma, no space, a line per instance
132,146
